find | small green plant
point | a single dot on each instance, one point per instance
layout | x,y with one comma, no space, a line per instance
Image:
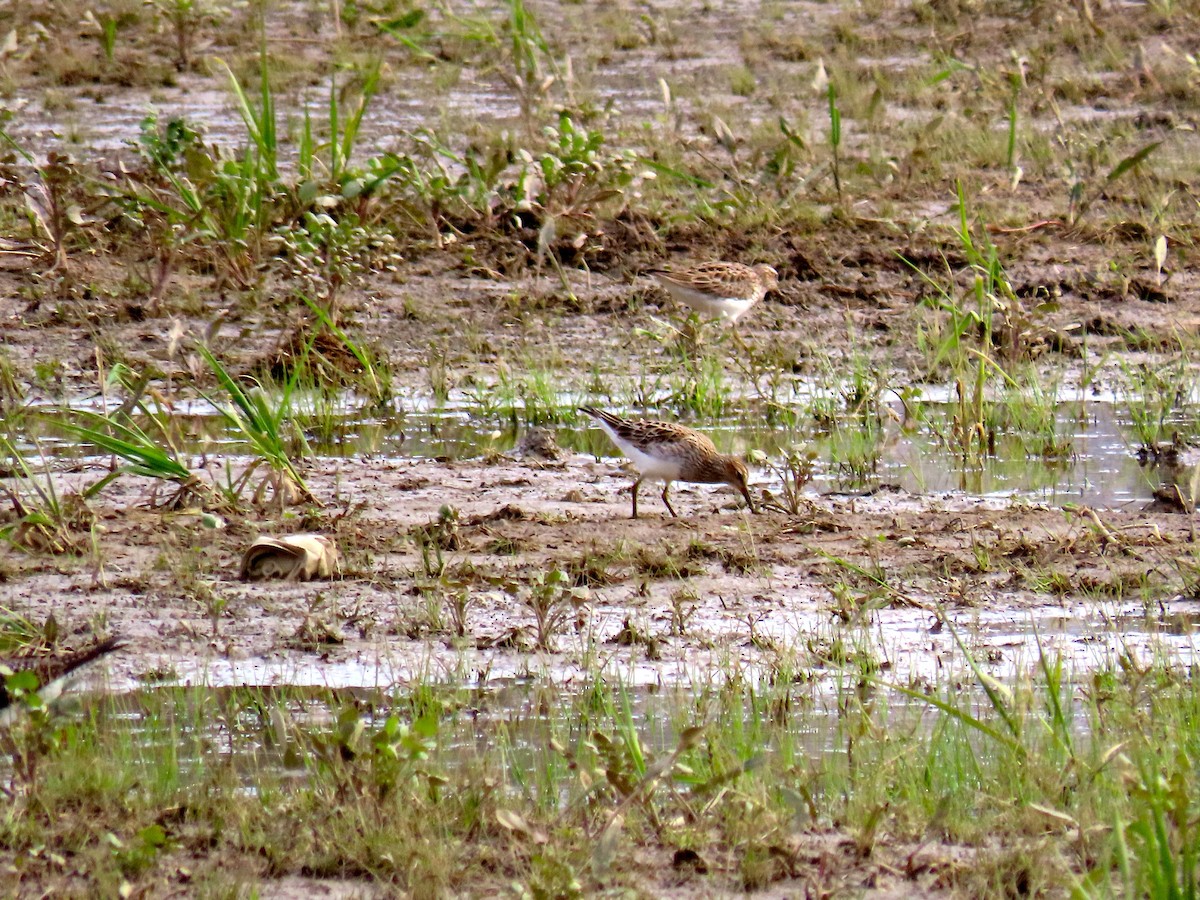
17,633
1155,396
742,82
552,598
458,603
856,443
440,381
794,469
1029,410
1158,847
436,537
835,137
106,26
530,70
56,204
684,604
270,432
374,378
989,330
333,156
42,520
151,456
1082,199
700,388
1010,156
185,18
578,175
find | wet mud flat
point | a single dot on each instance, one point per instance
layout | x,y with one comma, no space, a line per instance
987,205
660,600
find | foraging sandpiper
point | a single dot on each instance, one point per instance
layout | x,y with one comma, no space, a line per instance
722,289
665,451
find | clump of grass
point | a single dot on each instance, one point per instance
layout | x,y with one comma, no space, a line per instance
1156,396
794,468
185,19
987,332
1029,410
552,598
17,633
435,538
665,561
150,456
1097,768
268,429
1082,196
856,447
58,206
42,519
528,397
835,137
700,388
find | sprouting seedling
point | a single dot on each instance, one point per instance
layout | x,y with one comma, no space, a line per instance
185,17
143,454
52,203
835,137
1016,80
105,27
794,470
40,519
551,597
265,427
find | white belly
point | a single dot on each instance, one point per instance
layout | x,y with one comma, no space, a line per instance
652,467
731,308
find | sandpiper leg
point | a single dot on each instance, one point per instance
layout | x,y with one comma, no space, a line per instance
667,487
637,484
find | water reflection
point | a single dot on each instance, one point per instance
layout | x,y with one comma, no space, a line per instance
1096,467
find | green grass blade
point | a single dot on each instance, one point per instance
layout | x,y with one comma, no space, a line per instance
252,416
954,712
350,132
359,354
661,169
999,704
142,455
260,126
1130,161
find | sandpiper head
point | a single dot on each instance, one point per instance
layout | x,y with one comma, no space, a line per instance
770,278
738,476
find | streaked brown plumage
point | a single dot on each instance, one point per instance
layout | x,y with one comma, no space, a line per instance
53,671
669,452
722,289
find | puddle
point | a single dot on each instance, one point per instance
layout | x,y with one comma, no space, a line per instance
1101,469
523,715
907,642
231,710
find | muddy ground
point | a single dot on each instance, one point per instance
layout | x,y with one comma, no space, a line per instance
657,599
666,599
157,576
761,589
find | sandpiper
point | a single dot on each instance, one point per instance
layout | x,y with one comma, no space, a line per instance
52,672
723,289
665,451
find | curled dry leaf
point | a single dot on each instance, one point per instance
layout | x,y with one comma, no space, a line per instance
297,557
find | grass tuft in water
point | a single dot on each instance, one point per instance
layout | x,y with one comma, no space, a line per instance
1086,784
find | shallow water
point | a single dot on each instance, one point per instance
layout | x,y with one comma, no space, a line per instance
908,643
527,701
1101,470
